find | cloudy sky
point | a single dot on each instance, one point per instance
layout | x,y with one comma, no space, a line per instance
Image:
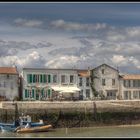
70,35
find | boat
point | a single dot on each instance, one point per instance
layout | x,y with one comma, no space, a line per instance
34,129
21,123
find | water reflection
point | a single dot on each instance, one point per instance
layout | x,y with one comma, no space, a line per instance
108,131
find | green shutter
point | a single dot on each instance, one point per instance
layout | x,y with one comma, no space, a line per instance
33,93
49,92
33,78
49,78
41,78
26,93
28,78
44,77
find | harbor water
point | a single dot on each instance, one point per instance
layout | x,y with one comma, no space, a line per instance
102,131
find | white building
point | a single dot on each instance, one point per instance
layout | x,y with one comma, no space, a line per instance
46,84
84,83
9,83
130,87
106,81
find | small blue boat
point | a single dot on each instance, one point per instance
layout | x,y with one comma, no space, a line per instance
22,122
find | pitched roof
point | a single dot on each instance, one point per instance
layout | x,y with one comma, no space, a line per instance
83,73
8,70
105,65
131,76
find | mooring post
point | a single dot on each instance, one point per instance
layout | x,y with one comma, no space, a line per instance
94,111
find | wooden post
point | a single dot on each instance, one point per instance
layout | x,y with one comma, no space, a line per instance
94,111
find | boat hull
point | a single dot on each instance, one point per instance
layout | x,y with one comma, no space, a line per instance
35,129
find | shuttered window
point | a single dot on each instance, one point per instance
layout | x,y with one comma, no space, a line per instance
33,93
49,92
41,78
29,78
49,78
26,93
34,78
44,78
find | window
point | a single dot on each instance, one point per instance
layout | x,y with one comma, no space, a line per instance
33,78
12,85
49,78
54,78
33,93
44,78
103,71
103,82
29,78
63,78
136,83
87,93
49,93
80,81
41,78
127,95
136,94
71,79
87,81
26,93
113,82
29,93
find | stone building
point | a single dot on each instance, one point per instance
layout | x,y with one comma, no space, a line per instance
9,83
105,82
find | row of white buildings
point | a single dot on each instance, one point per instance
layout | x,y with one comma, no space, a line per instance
103,82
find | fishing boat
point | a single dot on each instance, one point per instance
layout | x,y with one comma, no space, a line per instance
22,122
34,129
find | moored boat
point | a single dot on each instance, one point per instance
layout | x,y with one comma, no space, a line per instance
22,123
34,129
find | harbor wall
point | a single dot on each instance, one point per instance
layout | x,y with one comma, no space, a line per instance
75,113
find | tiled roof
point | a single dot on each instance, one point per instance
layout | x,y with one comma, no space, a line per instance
131,76
8,70
84,73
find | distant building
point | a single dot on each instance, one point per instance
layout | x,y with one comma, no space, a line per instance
130,86
84,82
105,82
46,84
9,83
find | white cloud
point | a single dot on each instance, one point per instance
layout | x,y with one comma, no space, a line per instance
62,62
28,23
76,26
119,59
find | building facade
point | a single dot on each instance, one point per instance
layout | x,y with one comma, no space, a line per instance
130,87
105,81
9,83
84,83
46,84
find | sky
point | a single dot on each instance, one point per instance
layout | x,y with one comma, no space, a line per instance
70,35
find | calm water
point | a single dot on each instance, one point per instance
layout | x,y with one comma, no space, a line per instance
106,131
